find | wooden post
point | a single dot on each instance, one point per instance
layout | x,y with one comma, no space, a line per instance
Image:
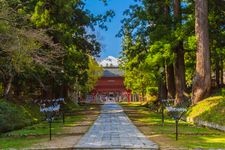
63,117
176,129
162,109
50,130
128,97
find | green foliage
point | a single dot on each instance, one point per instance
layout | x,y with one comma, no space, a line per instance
191,43
223,92
94,72
41,17
15,49
1,89
24,49
70,21
153,24
147,46
48,43
13,117
152,91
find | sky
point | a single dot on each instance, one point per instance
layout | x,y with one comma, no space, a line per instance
111,43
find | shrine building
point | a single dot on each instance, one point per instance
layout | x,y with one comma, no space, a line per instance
110,87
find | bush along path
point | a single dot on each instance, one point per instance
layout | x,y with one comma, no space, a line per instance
190,136
64,135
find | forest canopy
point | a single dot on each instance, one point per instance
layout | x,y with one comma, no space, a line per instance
46,49
176,46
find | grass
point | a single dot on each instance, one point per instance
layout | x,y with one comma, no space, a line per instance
15,115
190,136
43,127
37,133
19,143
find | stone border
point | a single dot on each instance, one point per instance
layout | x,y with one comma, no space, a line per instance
205,123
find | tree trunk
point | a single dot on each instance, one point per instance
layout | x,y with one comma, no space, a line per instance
179,65
179,72
142,95
170,81
217,70
201,82
7,86
221,71
168,87
162,92
177,12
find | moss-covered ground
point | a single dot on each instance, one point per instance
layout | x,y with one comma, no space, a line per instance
211,109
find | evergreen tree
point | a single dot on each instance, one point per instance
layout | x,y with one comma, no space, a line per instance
202,80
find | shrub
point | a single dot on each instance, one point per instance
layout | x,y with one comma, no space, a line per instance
1,89
223,92
152,91
14,116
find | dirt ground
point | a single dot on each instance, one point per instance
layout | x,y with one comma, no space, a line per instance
70,136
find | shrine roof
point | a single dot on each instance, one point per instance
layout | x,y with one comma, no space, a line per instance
112,72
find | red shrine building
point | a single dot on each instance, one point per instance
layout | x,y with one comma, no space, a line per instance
110,87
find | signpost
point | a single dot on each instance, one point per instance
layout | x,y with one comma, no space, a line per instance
176,114
50,108
164,103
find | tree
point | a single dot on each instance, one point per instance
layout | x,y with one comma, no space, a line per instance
179,66
94,73
170,78
217,43
21,48
201,82
67,22
47,42
151,23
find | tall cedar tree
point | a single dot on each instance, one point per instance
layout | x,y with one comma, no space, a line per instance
179,66
201,82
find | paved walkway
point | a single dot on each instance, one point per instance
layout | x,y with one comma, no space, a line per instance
114,130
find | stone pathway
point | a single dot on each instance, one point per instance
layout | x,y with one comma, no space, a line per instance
114,130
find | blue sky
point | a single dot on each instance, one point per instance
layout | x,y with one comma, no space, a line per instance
111,44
